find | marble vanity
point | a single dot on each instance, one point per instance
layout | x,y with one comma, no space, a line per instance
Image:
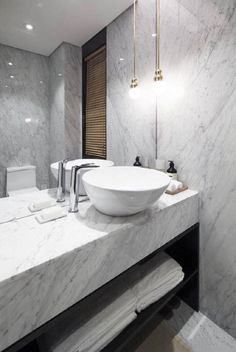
45,269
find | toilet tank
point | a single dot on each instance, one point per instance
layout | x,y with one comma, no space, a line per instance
21,177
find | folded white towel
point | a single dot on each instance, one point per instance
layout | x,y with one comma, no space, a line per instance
50,214
41,204
110,334
174,185
159,292
98,320
154,279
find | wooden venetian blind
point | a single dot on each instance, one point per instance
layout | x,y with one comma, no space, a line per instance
95,110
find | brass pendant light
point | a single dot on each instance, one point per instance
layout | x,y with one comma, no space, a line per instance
158,73
134,91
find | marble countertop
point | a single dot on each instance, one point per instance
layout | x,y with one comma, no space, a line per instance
45,269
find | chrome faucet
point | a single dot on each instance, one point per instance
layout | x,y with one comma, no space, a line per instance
74,186
61,182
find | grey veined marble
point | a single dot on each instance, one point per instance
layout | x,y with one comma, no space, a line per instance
24,113
196,124
131,123
44,269
197,128
40,109
65,103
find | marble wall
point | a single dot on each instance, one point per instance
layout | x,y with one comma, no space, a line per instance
73,101
127,134
65,65
196,125
24,114
40,110
56,105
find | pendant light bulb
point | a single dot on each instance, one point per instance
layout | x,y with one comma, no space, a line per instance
157,79
134,93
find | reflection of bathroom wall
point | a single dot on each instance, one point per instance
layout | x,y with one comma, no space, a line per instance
24,113
196,122
56,69
73,101
40,109
65,103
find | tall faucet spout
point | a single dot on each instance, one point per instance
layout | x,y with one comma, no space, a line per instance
74,186
61,182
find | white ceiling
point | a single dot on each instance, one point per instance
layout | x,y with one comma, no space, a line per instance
55,21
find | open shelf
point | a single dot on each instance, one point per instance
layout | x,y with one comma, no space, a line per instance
136,332
185,250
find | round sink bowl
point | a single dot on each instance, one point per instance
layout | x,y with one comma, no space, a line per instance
124,190
70,164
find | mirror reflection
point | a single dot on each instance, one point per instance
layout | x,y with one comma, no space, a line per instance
53,89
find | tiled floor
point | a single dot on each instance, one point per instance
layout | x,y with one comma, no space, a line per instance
163,339
188,331
200,332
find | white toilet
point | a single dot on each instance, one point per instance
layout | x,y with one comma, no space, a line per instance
21,180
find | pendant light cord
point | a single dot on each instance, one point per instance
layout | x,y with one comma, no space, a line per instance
158,35
134,38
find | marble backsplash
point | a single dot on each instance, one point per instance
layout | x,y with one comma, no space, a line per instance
131,124
57,106
24,113
65,102
196,125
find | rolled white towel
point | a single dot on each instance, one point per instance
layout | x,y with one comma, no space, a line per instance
110,334
50,214
41,204
174,185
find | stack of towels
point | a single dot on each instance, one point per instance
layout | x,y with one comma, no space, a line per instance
153,279
95,323
104,314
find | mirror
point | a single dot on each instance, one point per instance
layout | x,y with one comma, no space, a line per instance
41,87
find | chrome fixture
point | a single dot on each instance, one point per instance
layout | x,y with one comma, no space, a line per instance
61,182
158,73
74,186
134,91
74,191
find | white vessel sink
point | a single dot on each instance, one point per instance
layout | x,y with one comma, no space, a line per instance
70,164
124,190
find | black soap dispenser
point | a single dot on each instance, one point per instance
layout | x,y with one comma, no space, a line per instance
172,172
137,161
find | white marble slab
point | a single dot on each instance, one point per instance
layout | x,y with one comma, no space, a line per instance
44,269
196,124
